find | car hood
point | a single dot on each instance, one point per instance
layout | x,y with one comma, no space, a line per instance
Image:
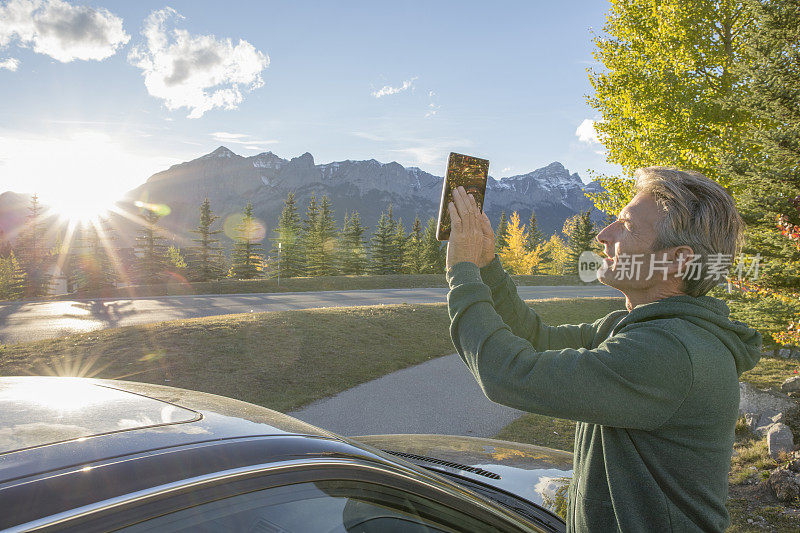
539,475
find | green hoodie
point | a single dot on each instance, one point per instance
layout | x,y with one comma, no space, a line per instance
655,392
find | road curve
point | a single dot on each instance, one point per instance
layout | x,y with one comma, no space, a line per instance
30,321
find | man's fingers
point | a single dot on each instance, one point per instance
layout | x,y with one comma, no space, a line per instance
486,226
460,201
455,219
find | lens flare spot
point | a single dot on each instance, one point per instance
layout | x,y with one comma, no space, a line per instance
237,227
161,210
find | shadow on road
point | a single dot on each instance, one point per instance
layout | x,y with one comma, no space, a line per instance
109,313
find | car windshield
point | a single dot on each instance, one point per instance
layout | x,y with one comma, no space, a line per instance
376,218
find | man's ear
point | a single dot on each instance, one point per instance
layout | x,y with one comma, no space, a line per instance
680,256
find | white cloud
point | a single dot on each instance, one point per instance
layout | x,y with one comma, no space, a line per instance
60,30
388,90
433,107
368,136
586,132
241,138
199,72
9,64
431,153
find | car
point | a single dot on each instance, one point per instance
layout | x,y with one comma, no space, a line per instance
82,454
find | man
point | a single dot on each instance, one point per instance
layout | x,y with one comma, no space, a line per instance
654,388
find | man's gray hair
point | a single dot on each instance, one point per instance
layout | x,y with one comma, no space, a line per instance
698,213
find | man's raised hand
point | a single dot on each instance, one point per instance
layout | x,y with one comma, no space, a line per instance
471,234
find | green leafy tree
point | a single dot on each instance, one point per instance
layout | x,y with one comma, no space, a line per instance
175,260
665,90
12,277
151,251
290,262
205,259
501,235
352,250
768,184
247,260
433,251
580,233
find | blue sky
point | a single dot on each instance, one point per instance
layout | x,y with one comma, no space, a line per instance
395,81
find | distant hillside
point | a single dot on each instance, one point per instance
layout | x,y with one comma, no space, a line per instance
230,181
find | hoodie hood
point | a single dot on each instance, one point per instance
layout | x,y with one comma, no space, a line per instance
709,313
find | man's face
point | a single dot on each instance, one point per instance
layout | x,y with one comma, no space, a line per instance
628,243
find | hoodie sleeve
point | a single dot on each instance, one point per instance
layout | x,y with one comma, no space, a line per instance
635,379
521,319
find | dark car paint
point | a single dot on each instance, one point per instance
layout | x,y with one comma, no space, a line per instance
228,434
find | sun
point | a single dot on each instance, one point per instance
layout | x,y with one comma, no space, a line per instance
82,207
81,177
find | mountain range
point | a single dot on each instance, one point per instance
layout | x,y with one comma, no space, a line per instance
229,181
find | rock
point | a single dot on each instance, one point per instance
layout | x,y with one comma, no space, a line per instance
760,407
779,439
783,484
791,385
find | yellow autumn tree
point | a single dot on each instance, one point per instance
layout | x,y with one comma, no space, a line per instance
516,259
559,256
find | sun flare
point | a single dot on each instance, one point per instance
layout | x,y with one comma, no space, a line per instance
78,175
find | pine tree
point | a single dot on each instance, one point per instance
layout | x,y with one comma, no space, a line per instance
414,261
205,260
321,260
515,257
399,243
352,250
535,237
433,251
12,277
382,246
247,260
290,262
33,256
151,250
580,233
90,263
312,243
501,235
768,185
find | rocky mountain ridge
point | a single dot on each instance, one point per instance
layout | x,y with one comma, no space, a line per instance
230,181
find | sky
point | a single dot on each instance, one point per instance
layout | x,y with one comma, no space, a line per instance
97,96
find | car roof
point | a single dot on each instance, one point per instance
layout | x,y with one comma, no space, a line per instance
51,422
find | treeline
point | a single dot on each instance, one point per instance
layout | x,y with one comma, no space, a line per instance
312,245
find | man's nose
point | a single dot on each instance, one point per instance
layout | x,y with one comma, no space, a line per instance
604,235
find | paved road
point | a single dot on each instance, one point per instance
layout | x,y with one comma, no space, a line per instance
28,321
446,399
